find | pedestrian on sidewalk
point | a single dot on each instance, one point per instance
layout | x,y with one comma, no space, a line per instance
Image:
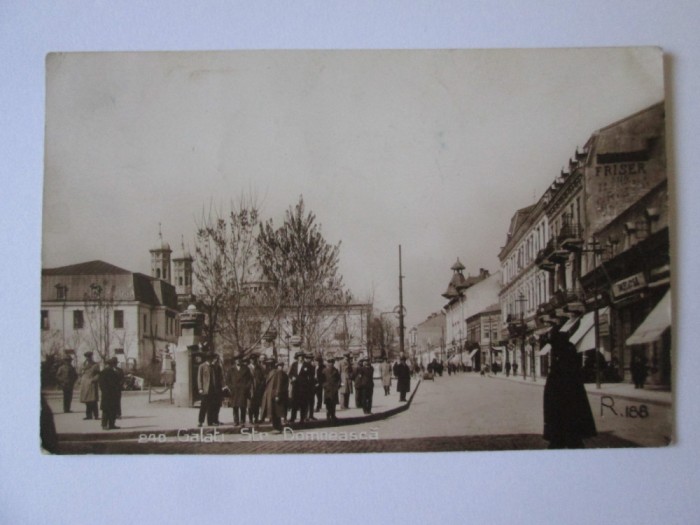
346,377
66,376
568,419
515,368
258,376
89,392
210,386
276,396
111,388
385,373
239,382
403,378
318,385
507,368
331,386
639,370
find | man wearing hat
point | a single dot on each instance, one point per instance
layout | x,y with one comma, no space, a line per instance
403,378
257,374
66,376
331,385
210,386
385,373
239,382
301,376
111,387
318,385
89,393
346,377
274,402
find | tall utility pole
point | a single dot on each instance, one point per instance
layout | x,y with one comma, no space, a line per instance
401,327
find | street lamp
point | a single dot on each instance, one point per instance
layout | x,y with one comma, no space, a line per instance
596,249
522,300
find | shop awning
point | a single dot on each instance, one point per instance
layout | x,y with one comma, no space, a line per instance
656,323
473,353
545,349
569,324
584,336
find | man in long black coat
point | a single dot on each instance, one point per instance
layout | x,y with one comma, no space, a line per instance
301,377
258,375
567,413
403,378
239,382
331,385
111,388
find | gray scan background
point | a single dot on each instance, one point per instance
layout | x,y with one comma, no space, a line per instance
616,486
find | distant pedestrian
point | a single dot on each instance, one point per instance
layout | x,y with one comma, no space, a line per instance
639,370
515,368
276,396
403,378
111,388
89,392
385,373
507,368
568,419
210,386
331,386
66,376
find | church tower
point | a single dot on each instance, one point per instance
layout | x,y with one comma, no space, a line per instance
160,259
182,275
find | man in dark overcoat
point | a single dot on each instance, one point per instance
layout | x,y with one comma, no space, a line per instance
276,396
301,377
210,386
311,390
567,413
111,388
363,384
403,378
66,376
239,382
258,376
331,385
318,386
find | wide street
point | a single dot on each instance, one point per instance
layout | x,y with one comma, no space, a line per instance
459,412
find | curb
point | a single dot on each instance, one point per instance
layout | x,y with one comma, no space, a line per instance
230,429
626,397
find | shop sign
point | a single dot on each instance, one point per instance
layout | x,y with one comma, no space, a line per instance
629,284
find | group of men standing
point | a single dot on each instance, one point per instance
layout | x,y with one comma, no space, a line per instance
93,381
262,389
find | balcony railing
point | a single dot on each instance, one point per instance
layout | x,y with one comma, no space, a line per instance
570,236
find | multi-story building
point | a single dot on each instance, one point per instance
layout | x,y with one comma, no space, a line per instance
627,268
430,339
525,285
612,202
466,296
111,311
483,331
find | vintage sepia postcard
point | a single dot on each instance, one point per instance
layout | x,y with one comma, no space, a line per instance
263,252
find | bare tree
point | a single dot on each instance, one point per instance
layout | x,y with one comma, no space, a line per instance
239,306
99,303
304,266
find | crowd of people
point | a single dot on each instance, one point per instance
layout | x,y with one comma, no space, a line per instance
259,388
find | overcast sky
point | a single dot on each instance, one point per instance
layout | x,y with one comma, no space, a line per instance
433,150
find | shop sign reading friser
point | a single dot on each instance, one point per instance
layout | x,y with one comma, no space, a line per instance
629,284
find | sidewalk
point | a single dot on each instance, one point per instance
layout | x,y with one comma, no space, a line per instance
160,417
618,390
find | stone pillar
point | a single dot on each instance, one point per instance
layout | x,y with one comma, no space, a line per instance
191,322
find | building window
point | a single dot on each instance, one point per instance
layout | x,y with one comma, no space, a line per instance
157,273
78,321
118,318
179,280
144,323
61,292
44,319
